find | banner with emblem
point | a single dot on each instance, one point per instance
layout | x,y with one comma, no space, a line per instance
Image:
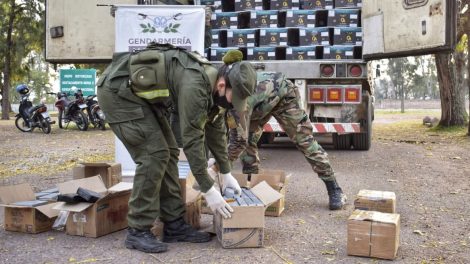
138,25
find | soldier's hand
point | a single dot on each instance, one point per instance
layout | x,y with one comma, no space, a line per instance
231,182
216,203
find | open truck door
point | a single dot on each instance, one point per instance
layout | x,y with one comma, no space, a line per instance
398,28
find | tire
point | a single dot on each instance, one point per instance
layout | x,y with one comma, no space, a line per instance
61,113
45,126
342,142
363,140
20,123
266,138
81,121
102,125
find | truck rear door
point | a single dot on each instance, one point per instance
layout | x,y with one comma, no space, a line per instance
396,28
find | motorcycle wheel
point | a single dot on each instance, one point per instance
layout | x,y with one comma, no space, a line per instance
45,126
99,123
61,113
21,124
81,120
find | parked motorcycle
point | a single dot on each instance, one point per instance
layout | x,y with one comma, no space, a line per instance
29,116
95,114
71,110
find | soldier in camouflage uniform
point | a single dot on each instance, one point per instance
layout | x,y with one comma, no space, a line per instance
277,97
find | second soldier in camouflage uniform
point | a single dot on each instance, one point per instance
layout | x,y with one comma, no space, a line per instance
277,97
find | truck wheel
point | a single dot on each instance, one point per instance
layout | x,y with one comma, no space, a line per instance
266,138
342,142
363,140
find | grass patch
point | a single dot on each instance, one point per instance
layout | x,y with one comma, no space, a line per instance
414,132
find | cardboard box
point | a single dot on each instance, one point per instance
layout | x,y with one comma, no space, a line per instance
314,36
245,228
316,4
347,36
344,18
301,53
264,19
338,52
26,219
373,234
348,3
230,20
216,54
107,215
242,5
380,201
241,37
111,173
283,4
300,18
261,53
217,41
273,37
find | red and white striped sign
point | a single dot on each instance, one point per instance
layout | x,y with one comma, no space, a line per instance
273,126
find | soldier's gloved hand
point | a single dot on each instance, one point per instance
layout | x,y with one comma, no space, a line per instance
231,182
217,203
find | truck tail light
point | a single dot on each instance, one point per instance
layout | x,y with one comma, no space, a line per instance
352,95
334,95
316,95
355,70
327,70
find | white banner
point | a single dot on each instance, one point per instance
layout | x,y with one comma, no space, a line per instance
138,25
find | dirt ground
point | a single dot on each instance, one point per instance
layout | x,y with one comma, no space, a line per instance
430,177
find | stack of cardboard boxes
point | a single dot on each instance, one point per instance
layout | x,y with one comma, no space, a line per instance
374,226
287,29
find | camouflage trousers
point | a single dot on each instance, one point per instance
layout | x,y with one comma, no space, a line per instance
295,122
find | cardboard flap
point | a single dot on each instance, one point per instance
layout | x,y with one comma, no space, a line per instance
275,178
191,195
16,193
242,179
266,193
48,210
80,207
360,215
120,187
92,183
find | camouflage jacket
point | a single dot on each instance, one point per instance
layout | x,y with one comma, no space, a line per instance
271,88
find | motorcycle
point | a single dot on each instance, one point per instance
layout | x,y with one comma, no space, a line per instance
30,117
71,110
95,114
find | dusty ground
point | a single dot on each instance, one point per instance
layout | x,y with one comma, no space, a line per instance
429,172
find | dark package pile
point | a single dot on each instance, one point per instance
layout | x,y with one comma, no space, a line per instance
296,29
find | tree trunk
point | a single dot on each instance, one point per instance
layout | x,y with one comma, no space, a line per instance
9,45
453,108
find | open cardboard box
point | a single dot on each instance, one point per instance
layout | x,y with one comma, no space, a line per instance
23,218
246,226
111,173
105,216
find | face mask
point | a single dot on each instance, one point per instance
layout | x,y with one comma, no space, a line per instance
222,102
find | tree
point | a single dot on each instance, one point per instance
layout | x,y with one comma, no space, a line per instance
451,69
402,73
21,31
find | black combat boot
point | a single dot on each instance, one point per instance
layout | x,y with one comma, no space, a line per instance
337,197
144,240
179,231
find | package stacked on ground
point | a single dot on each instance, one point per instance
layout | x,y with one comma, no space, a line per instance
288,29
374,225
